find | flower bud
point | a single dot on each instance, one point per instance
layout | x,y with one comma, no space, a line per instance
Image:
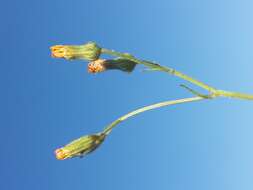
97,66
90,51
101,65
80,147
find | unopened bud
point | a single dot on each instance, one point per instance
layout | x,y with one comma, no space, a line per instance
80,147
90,51
101,65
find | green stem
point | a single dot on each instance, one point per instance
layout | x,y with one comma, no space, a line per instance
160,68
153,66
108,129
234,95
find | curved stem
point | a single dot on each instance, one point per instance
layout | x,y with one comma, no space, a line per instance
109,128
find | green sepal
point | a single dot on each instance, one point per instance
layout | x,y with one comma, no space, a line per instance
121,64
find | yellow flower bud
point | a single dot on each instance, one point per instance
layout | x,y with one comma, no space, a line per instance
89,51
80,147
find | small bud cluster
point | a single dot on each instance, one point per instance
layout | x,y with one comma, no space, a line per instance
90,52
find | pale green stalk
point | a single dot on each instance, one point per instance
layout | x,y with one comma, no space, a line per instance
108,129
213,91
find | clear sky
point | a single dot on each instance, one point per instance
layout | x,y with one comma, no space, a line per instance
46,102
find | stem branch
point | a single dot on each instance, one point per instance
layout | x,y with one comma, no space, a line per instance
153,66
160,68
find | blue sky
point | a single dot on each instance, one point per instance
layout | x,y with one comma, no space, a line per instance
48,102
